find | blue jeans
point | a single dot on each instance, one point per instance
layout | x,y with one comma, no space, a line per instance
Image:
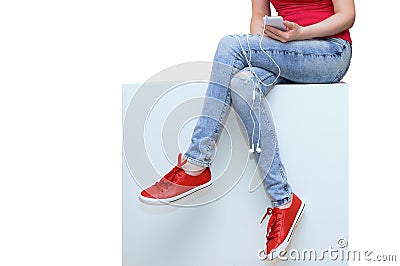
323,60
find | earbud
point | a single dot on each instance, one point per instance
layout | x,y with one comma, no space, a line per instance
248,60
252,148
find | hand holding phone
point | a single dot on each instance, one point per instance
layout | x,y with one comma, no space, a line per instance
276,22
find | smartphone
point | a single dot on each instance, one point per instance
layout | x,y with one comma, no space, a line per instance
276,22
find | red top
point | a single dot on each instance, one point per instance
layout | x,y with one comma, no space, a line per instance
307,12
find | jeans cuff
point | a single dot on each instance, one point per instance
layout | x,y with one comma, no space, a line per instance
196,161
282,201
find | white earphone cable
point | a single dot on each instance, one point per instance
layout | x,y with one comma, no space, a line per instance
256,86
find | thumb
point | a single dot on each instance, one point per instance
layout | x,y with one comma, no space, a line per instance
290,25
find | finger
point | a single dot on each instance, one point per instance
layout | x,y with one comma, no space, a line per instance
274,36
274,30
280,35
290,25
269,34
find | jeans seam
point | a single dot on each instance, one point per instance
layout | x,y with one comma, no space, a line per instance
297,53
270,86
218,126
339,76
338,41
269,126
348,65
282,173
265,77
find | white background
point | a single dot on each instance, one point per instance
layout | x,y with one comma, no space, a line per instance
62,64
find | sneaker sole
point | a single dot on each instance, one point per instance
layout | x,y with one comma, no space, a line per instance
154,201
274,253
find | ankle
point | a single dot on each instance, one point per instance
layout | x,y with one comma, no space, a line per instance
193,169
285,206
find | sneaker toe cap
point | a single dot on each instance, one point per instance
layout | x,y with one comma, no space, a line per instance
146,194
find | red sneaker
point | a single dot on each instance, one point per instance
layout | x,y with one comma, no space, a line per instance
280,228
175,185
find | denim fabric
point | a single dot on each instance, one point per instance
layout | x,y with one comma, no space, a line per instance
323,60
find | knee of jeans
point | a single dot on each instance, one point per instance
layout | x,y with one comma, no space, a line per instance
226,43
242,88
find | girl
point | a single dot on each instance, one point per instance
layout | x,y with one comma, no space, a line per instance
314,48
